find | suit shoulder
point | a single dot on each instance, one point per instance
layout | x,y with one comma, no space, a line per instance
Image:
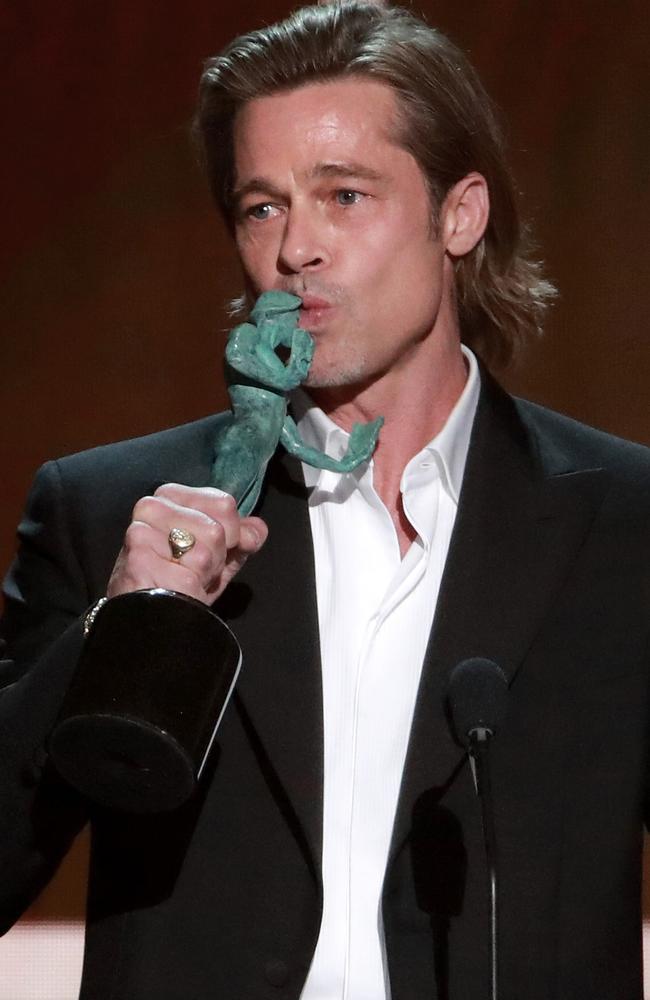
569,445
165,455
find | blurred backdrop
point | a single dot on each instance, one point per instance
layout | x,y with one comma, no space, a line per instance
114,268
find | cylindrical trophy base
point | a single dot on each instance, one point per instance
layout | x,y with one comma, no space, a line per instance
142,711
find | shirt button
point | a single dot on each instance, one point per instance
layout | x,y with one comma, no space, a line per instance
276,972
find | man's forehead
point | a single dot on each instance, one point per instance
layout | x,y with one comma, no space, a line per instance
329,123
346,92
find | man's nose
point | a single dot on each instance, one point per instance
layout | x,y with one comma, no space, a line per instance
304,244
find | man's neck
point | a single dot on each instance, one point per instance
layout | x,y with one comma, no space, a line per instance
414,410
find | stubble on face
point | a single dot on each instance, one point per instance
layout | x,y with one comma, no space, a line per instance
338,376
349,362
329,373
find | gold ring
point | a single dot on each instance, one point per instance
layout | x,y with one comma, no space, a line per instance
180,542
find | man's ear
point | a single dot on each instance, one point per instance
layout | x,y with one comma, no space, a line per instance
465,213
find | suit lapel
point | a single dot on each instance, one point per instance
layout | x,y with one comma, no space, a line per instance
271,607
522,516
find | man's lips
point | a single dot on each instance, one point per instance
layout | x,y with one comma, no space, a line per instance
310,303
314,312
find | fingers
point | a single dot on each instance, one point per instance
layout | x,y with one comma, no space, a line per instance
223,543
215,508
253,532
140,567
201,505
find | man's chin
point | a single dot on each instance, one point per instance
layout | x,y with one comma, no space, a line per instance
333,378
330,373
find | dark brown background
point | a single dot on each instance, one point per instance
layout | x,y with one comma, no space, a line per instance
114,268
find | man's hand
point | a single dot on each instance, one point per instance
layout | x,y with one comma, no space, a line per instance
224,540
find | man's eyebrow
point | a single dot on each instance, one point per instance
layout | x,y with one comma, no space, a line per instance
346,170
258,185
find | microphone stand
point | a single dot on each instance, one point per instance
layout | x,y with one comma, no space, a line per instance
479,758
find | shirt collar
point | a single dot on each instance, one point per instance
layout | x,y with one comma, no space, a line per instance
449,447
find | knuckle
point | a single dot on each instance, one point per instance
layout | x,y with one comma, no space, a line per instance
167,489
218,494
215,534
227,502
144,508
224,508
202,558
135,535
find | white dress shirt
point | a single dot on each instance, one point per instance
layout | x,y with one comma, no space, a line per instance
375,612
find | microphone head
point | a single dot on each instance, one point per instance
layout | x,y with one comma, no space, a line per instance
477,693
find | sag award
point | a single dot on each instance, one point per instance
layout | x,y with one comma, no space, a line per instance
157,667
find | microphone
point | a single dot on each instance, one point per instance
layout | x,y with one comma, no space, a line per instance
477,693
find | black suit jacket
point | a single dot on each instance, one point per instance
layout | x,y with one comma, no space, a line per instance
548,573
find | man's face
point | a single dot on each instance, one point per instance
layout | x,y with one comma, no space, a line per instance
329,208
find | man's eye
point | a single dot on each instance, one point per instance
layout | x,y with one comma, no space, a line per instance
260,212
345,196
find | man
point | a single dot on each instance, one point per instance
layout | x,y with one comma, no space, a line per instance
335,848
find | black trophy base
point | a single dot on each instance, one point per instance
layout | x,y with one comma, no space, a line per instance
142,711
122,763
